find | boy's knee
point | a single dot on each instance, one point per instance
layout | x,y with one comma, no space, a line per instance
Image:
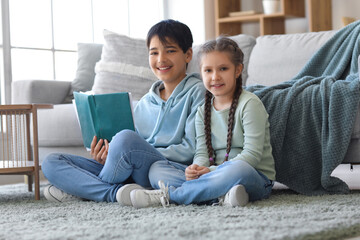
155,172
157,166
125,133
49,160
125,138
170,173
49,164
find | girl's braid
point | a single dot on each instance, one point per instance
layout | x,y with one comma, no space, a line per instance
207,124
231,120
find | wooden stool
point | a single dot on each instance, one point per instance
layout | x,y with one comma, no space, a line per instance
17,156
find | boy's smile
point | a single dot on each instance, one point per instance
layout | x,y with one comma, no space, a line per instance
168,62
164,69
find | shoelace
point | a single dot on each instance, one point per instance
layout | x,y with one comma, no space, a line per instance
220,202
60,195
164,199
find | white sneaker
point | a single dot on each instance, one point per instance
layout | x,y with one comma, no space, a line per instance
149,198
236,196
123,194
53,194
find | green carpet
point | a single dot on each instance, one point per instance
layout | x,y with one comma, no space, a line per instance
285,215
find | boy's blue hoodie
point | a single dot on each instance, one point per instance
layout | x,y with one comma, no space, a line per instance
170,125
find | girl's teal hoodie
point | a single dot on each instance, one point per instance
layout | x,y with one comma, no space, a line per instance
170,125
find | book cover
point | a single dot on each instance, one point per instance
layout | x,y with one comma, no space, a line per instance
103,115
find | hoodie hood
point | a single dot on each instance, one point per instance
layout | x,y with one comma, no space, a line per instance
181,89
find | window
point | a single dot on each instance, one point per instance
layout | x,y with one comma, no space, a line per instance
43,34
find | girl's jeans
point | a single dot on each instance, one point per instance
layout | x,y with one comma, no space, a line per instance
209,187
129,156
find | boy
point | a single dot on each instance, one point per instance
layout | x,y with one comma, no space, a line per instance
164,120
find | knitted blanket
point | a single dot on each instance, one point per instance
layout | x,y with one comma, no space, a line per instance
312,115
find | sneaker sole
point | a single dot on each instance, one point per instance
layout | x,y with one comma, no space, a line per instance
123,194
139,199
133,199
241,196
49,196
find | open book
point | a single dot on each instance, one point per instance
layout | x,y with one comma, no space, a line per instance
103,115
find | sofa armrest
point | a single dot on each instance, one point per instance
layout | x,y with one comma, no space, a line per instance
39,91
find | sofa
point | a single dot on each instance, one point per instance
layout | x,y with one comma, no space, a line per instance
120,64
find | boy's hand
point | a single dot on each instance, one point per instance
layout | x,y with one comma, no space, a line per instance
99,151
194,171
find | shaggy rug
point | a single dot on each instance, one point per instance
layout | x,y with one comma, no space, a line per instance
285,215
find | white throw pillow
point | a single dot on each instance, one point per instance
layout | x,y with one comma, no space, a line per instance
123,66
278,58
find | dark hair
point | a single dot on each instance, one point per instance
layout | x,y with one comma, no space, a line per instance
173,30
222,44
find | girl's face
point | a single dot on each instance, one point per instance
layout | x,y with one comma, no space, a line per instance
168,62
219,74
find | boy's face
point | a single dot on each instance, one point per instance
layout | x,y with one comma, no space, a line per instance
168,62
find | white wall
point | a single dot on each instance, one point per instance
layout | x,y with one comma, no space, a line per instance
190,12
340,8
344,8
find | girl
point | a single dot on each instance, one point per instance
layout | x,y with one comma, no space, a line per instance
233,152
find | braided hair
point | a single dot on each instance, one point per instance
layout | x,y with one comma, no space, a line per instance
222,44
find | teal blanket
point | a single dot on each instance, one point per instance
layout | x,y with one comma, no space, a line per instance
312,115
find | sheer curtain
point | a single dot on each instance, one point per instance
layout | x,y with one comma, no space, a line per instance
45,33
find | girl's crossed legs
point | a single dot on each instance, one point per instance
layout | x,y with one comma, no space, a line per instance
212,185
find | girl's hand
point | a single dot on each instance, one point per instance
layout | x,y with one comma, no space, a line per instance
202,170
191,173
99,151
194,171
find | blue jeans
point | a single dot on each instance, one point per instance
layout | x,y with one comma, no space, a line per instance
209,187
129,156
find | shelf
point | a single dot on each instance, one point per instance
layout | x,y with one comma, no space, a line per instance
271,23
249,18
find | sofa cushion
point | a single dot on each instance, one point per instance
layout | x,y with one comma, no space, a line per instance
278,58
59,127
39,91
88,55
123,66
246,44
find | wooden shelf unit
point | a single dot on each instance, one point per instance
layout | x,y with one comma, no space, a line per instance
272,23
17,154
320,17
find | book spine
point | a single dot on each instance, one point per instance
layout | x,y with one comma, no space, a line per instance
95,118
